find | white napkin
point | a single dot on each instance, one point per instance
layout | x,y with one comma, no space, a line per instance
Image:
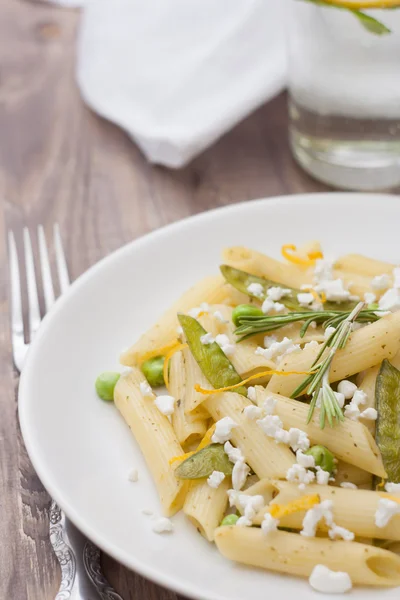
177,74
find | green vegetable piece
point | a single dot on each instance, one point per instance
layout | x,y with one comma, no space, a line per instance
153,370
105,384
387,397
369,23
214,364
244,311
323,458
229,520
204,462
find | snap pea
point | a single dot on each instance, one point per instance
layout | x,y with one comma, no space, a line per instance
105,384
229,520
204,462
215,365
153,370
387,397
322,457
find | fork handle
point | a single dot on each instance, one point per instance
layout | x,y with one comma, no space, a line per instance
79,559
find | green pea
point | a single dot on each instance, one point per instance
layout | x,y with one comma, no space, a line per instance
243,311
153,370
323,458
105,384
229,520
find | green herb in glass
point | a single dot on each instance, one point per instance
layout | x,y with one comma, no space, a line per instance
317,384
214,364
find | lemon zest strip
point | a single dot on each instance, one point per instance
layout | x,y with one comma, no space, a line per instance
168,357
288,251
201,390
162,351
277,511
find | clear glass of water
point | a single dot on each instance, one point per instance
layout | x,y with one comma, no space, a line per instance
344,94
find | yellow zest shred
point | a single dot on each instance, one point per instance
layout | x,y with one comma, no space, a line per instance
201,390
277,511
381,484
162,351
288,251
204,442
320,298
178,346
391,497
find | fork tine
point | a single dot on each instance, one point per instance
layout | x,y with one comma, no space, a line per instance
17,323
48,290
60,259
33,300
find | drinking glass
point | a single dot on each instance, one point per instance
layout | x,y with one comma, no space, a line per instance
344,93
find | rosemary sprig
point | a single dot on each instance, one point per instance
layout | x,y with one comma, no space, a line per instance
251,325
317,384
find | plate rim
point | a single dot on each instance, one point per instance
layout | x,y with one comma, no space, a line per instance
134,564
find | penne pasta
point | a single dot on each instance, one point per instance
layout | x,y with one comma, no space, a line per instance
292,553
369,267
248,436
346,473
348,440
189,428
206,506
366,347
155,436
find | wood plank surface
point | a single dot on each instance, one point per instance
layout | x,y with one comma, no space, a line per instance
61,163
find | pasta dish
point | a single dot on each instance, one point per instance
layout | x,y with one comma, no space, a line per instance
266,403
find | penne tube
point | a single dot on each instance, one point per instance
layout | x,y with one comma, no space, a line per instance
366,347
352,509
262,453
206,506
292,553
369,267
193,374
212,290
348,440
155,436
259,264
346,473
189,428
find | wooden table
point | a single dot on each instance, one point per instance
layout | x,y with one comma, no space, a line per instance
60,162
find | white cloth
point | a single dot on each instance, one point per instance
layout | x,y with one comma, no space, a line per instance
177,74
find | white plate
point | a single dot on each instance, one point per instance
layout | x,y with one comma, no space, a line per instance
80,446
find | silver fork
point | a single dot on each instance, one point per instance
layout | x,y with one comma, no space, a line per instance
81,574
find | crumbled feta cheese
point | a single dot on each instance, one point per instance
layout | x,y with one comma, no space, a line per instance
328,332
222,340
165,404
234,454
253,412
162,525
125,371
220,317
251,393
282,437
390,300
322,476
312,344
269,524
305,460
380,282
359,397
243,522
133,476
305,299
340,398
352,412
268,405
277,293
324,580
145,389
207,339
248,505
256,289
315,515
298,474
298,439
179,330
147,512
341,532
239,474
270,424
268,305
393,488
269,340
348,485
347,388
334,290
323,270
369,297
385,511
223,430
371,414
396,277
215,479
278,349
203,308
